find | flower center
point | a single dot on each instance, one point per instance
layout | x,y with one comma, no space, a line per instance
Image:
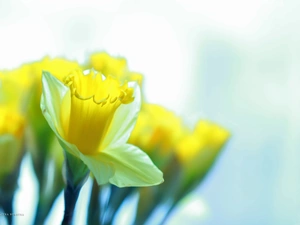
88,109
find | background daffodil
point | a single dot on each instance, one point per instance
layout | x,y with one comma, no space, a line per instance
114,66
12,126
12,122
93,116
12,130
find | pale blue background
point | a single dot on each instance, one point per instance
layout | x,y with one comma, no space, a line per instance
233,62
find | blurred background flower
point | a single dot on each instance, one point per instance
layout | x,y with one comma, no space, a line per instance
232,62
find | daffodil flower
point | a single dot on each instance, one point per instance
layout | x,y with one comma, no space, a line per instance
156,128
115,66
157,131
11,139
12,121
92,117
204,143
196,154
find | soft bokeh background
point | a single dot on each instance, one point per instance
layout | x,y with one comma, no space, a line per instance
233,62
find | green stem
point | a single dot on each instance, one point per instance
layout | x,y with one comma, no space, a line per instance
7,207
168,213
71,196
148,201
40,213
75,174
48,191
8,188
43,208
94,209
117,197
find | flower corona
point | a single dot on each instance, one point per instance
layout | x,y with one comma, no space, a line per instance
91,95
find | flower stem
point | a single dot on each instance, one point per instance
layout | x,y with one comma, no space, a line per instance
94,209
117,197
7,206
71,196
44,206
148,201
75,173
167,214
8,186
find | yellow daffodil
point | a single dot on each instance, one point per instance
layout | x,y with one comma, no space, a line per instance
12,121
113,66
11,139
58,67
15,88
205,143
93,116
196,153
156,129
108,65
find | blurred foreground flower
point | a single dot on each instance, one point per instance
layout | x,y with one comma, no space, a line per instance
92,117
